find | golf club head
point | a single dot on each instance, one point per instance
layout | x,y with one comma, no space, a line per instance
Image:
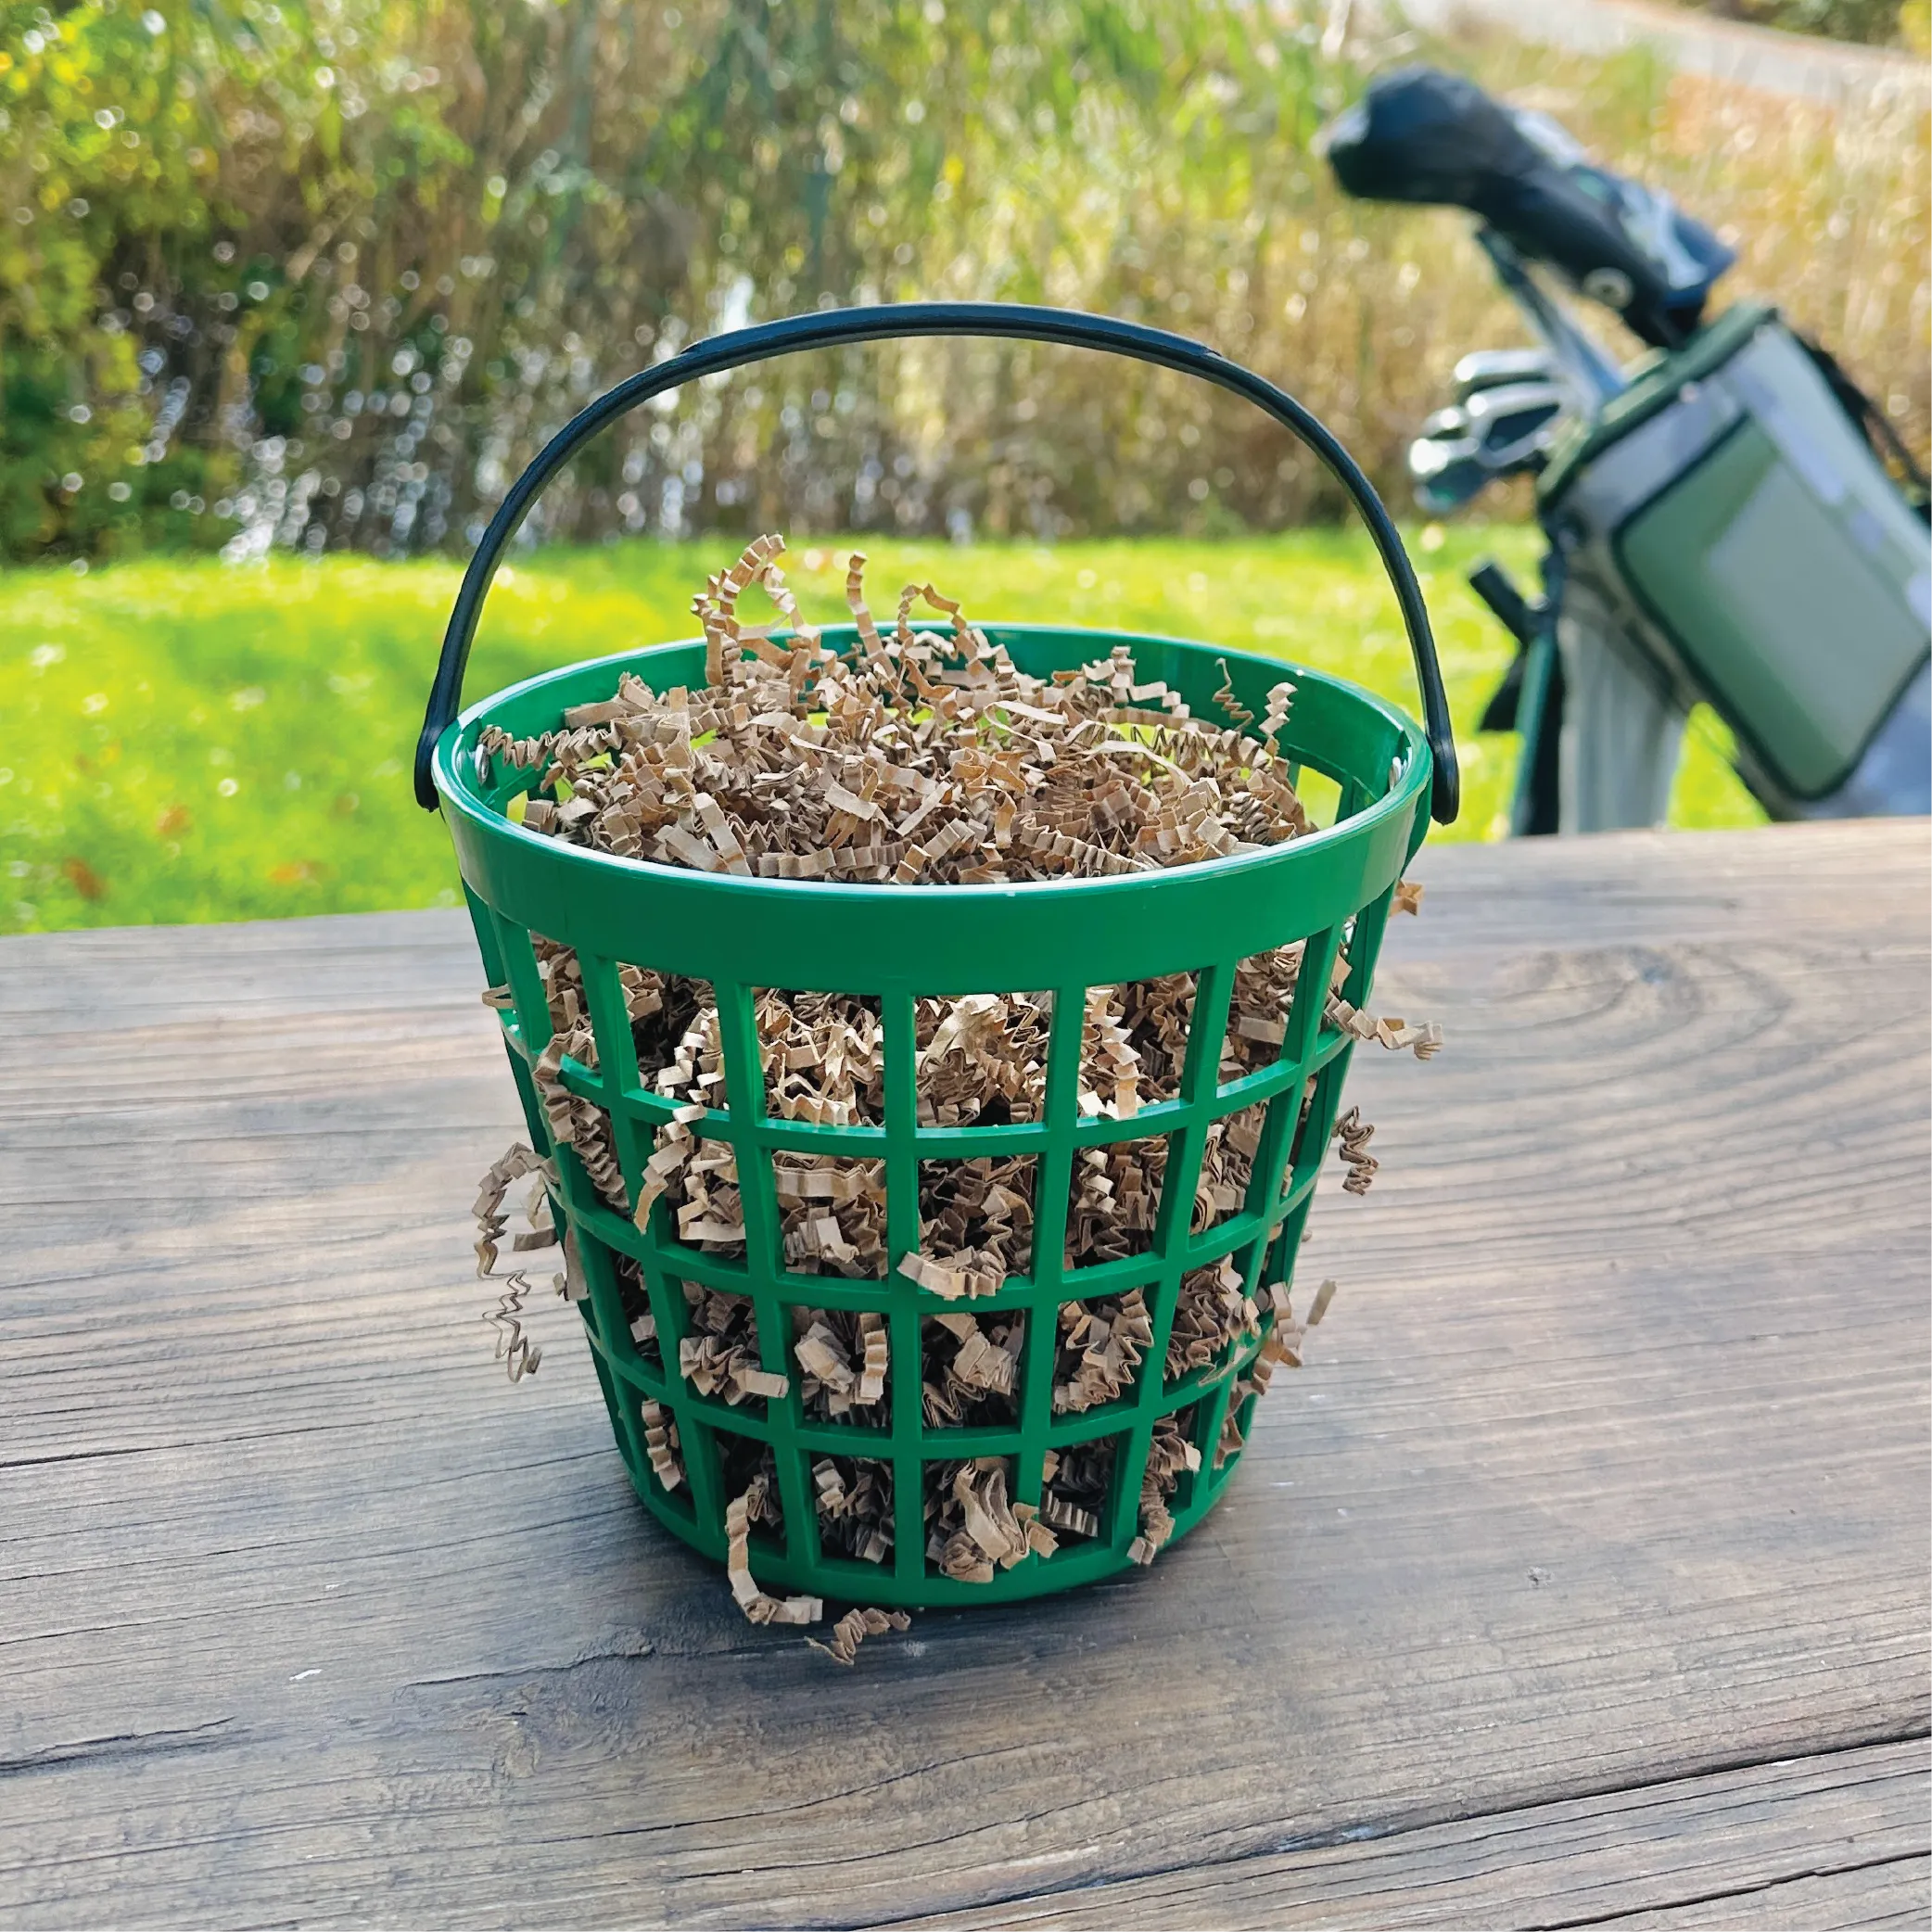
1494,368
1513,425
1502,431
1448,470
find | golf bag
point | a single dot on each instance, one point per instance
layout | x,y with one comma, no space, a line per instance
1746,538
1721,527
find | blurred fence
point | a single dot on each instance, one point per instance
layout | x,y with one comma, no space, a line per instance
324,274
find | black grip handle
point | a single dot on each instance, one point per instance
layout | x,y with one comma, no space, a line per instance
1511,608
1007,321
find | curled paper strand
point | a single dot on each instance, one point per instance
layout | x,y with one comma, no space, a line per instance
661,1444
1354,1132
852,1629
516,1350
757,1606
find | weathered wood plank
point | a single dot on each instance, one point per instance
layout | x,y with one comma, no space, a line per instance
1610,1467
1812,1842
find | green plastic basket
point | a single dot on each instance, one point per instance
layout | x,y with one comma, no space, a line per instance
742,935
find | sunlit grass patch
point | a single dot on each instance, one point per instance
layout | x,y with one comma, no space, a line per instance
189,741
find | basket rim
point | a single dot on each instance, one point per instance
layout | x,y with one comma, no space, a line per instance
1397,801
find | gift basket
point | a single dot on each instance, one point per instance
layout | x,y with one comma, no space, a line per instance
930,1031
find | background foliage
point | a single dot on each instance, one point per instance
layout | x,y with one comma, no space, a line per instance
323,273
1878,23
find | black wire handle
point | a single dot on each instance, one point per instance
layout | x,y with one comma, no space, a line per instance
1010,321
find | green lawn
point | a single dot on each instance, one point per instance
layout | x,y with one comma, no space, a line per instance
185,739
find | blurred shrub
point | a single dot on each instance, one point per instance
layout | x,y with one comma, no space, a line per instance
1874,23
325,274
329,275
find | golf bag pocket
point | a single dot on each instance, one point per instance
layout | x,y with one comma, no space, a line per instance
1767,560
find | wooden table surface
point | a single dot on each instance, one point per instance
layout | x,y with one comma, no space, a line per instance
1579,1579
